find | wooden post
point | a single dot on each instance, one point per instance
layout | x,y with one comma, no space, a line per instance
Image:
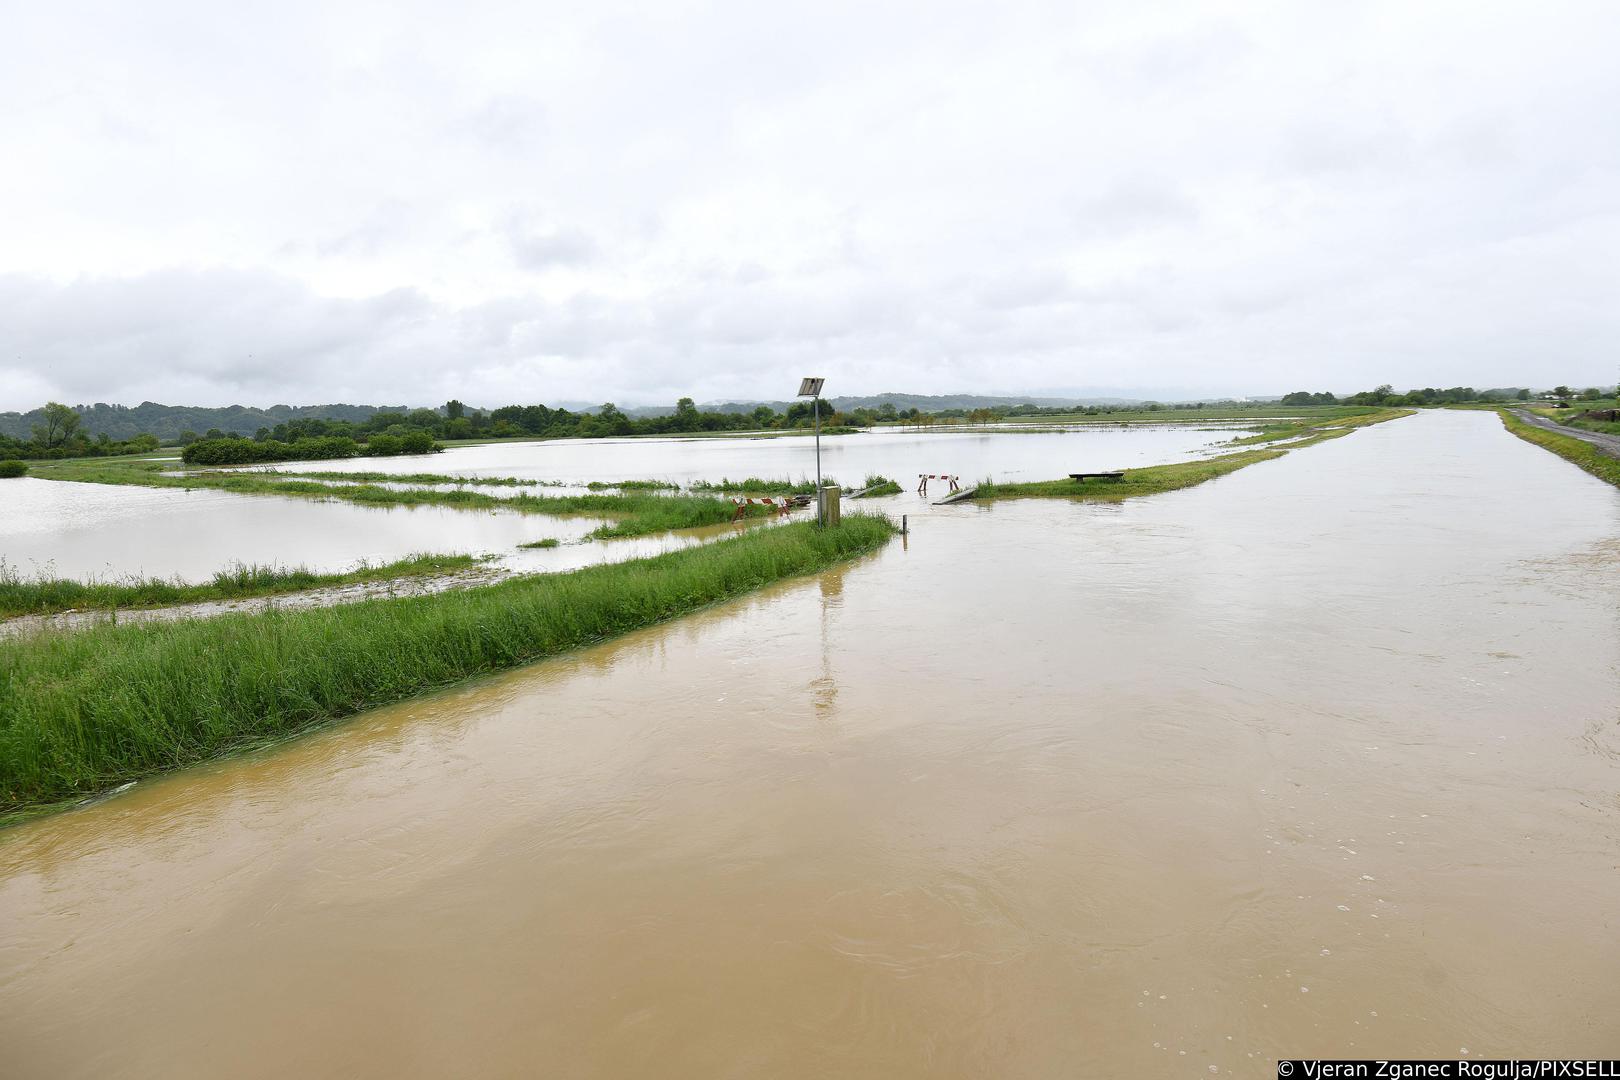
827,505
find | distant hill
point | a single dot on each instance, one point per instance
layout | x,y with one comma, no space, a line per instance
168,421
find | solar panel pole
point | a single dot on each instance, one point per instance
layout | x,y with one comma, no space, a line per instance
810,387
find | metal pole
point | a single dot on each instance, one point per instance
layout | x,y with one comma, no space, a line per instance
821,509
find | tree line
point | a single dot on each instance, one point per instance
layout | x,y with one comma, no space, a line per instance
1429,395
60,434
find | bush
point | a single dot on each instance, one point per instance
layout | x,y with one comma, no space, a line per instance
388,444
420,442
235,451
12,468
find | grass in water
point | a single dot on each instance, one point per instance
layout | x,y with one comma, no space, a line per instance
1157,479
629,514
632,485
1571,449
85,711
755,485
874,485
409,478
548,542
45,596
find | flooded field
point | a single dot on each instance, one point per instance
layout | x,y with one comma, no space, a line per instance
901,455
84,531
89,530
1318,759
97,530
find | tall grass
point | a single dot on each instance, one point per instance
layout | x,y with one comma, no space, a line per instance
632,485
369,477
84,711
755,485
875,485
21,595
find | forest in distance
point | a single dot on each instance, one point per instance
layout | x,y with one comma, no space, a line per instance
62,431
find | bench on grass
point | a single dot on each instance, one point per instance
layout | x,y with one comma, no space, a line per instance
1082,477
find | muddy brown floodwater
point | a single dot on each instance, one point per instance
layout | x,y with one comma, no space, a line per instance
1321,758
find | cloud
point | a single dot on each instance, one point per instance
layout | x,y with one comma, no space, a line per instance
544,248
557,201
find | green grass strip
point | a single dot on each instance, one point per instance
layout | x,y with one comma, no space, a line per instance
1571,449
755,485
84,711
1157,479
369,477
630,513
46,596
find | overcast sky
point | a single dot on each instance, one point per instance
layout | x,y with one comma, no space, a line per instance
208,203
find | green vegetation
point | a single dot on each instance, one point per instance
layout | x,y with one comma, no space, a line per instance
60,434
1583,454
755,485
230,451
1157,479
82,712
12,468
45,596
1385,396
634,514
413,478
632,485
548,542
873,486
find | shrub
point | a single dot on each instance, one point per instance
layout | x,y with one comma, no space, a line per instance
12,468
420,442
235,451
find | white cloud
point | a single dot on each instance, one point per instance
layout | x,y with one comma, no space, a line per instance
372,202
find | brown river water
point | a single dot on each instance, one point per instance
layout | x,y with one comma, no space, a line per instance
1321,758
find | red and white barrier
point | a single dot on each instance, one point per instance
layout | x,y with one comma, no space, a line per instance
923,478
778,506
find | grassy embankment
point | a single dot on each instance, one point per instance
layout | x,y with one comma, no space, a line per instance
468,481
628,513
1271,443
1571,449
366,477
755,485
47,596
81,713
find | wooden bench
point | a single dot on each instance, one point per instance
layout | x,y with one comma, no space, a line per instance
1082,477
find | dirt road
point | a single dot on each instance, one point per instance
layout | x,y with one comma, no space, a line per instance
1609,444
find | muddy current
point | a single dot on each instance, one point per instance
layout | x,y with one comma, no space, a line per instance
1318,759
